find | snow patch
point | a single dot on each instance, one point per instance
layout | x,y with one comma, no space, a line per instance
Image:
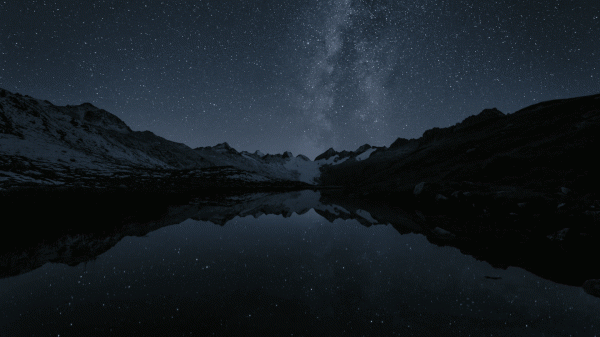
247,156
365,154
308,170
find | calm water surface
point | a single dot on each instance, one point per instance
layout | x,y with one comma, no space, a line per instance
301,275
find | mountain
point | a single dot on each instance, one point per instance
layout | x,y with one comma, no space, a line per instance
280,166
542,152
83,136
45,144
538,151
332,157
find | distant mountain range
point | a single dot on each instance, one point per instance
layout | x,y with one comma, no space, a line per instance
546,146
45,144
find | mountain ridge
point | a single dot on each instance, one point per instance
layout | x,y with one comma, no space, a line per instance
84,137
58,139
542,147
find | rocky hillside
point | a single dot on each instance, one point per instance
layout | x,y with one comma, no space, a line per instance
543,148
45,144
82,136
546,148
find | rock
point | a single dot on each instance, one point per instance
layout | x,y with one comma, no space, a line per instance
455,194
559,236
522,204
419,188
560,205
440,197
592,287
565,190
471,150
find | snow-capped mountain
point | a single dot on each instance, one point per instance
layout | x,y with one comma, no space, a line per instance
332,157
82,136
41,143
280,166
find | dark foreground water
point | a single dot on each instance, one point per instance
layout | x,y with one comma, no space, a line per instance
301,276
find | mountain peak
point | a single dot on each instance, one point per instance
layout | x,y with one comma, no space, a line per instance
88,105
485,114
363,148
491,112
327,154
399,142
223,145
103,118
224,148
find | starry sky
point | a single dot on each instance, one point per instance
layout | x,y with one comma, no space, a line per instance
299,75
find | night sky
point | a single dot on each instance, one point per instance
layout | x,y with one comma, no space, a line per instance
299,75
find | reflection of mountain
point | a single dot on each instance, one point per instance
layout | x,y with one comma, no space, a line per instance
75,228
84,233
284,204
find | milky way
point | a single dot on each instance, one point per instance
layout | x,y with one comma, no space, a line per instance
299,75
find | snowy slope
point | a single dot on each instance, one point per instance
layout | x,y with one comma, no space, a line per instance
365,154
82,137
60,139
308,170
44,144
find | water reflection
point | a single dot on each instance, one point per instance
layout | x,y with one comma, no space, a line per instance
280,265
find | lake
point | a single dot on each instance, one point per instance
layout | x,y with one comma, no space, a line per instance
285,264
